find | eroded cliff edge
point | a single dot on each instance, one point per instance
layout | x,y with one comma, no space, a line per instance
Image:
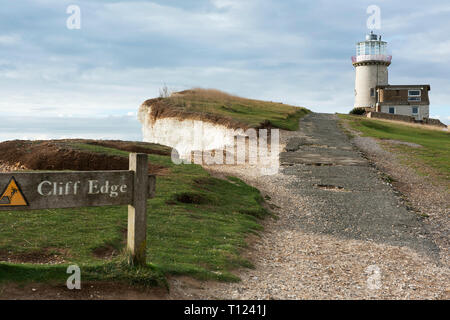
207,119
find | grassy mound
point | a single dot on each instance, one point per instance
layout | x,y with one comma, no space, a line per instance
193,228
222,108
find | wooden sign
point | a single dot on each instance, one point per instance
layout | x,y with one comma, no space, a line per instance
52,190
73,189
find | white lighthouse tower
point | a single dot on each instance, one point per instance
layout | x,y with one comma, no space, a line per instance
371,63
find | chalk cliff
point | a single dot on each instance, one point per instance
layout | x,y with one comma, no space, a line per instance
185,131
212,120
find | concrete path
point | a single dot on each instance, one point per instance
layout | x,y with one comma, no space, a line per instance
350,197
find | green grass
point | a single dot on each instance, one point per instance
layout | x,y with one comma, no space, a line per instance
251,112
91,147
152,158
147,276
435,151
98,149
203,239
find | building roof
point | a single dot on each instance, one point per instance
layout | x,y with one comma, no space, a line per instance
404,103
405,86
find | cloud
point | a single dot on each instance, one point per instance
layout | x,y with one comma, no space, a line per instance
9,40
289,51
443,119
446,120
403,19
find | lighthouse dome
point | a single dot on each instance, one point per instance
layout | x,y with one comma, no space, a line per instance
371,37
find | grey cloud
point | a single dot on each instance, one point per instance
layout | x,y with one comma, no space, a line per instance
297,52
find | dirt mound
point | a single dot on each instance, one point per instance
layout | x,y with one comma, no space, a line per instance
65,155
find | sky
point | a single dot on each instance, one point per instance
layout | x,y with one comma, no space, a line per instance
60,82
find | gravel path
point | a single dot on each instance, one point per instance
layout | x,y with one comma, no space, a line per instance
342,231
420,192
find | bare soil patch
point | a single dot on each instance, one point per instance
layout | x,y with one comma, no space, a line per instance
109,251
40,256
409,144
88,291
105,252
60,155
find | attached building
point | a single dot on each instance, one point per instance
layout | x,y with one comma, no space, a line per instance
407,100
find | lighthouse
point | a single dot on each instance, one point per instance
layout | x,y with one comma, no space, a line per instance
371,64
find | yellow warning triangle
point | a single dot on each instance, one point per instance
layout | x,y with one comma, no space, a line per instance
12,196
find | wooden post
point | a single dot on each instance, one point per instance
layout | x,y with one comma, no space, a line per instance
137,211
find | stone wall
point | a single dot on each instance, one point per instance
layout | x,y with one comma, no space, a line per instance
403,118
434,122
390,116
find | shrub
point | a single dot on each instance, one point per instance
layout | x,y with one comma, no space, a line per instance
358,111
164,92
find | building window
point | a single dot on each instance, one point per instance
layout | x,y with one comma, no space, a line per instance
414,95
415,110
372,92
392,110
